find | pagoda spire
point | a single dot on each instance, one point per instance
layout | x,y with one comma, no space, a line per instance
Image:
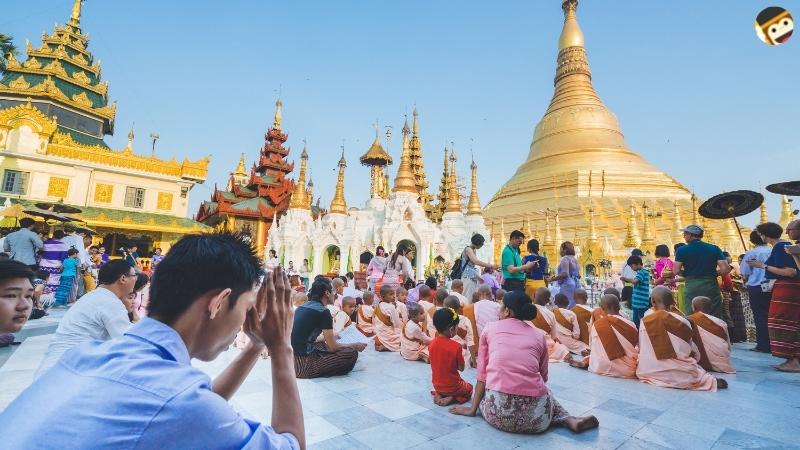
592,240
527,229
299,198
559,238
241,170
764,217
786,212
677,225
648,240
418,165
75,17
338,203
474,205
632,239
131,135
310,191
444,186
276,123
453,196
404,181
548,236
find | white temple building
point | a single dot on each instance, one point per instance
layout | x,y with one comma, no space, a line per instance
338,240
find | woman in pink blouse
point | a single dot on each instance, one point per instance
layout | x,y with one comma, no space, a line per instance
512,372
664,268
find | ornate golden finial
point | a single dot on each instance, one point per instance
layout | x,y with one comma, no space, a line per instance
559,238
571,34
764,218
338,203
414,124
75,17
548,236
527,230
404,181
453,196
787,215
131,135
474,205
592,240
406,129
648,240
241,169
299,198
677,224
276,124
632,239
310,191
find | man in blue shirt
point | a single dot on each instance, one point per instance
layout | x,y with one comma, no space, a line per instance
140,391
759,300
701,263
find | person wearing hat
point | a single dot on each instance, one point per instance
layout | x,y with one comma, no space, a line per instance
700,263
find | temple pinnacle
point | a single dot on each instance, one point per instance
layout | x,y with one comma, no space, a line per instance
278,114
299,198
75,17
474,205
338,203
404,181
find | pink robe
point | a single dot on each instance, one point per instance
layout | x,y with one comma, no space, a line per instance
413,342
365,313
465,328
556,351
624,367
718,350
340,320
402,309
681,372
387,335
485,311
570,337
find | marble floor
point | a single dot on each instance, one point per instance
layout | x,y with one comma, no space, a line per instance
385,404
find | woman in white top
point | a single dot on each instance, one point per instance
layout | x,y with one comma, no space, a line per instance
399,265
470,273
376,267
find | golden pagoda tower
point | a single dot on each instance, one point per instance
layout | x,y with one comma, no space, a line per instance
763,217
453,196
559,239
377,159
444,189
786,212
529,234
299,199
548,245
338,203
648,240
239,175
677,225
577,136
474,205
591,241
418,166
405,181
632,239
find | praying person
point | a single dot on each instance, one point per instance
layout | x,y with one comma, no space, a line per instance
364,315
386,322
583,312
465,335
511,391
545,320
447,360
666,351
711,337
338,288
567,328
141,391
614,343
413,340
16,296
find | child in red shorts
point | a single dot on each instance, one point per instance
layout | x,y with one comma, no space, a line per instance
447,360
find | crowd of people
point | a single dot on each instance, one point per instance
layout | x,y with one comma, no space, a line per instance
669,323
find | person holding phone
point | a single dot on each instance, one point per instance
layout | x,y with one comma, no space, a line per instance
535,278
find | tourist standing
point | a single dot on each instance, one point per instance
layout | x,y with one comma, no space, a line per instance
511,262
272,261
568,274
701,263
753,278
156,258
470,273
664,269
23,244
781,274
67,290
54,252
304,274
535,278
398,266
376,267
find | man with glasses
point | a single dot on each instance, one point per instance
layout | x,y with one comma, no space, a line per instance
98,315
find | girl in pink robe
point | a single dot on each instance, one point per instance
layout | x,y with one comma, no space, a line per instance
413,341
386,323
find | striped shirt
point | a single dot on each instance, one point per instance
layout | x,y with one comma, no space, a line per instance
641,290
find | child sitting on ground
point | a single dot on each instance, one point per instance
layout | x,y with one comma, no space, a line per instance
465,335
364,315
498,296
413,341
400,303
386,322
447,360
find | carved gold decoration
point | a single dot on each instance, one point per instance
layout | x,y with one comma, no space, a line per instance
79,59
298,199
103,194
338,202
61,51
12,62
82,99
81,77
32,63
19,83
56,68
27,114
474,205
57,187
164,201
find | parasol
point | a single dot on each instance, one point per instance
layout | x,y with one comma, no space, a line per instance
730,205
59,207
47,215
12,212
786,188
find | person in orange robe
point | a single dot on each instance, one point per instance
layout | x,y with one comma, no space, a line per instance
465,335
386,322
710,334
614,343
401,295
666,350
438,303
545,320
413,340
583,312
364,315
568,329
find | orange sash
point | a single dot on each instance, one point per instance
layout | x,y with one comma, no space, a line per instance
382,316
541,323
461,332
677,311
605,327
700,320
405,335
658,325
584,317
361,316
598,314
560,318
469,313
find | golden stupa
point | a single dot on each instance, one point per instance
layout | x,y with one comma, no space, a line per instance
580,174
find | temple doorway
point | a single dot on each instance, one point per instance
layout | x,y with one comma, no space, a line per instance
413,247
331,260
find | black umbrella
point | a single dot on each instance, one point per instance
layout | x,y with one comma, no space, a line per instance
59,207
730,205
46,214
786,188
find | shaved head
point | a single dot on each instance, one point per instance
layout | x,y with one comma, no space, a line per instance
701,304
662,298
542,296
441,294
457,285
580,296
561,300
452,302
348,300
424,292
609,303
612,291
484,292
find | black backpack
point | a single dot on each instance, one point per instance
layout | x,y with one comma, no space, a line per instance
458,268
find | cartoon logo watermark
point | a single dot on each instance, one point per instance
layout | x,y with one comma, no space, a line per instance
774,25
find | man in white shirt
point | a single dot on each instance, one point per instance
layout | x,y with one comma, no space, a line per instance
759,300
98,315
74,240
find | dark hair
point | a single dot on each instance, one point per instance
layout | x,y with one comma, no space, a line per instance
349,275
519,303
26,222
432,283
517,234
58,234
561,299
378,250
755,238
94,247
72,251
568,247
141,281
771,230
42,274
726,254
444,318
533,246
198,264
637,252
11,269
477,240
401,250
633,259
157,249
111,271
320,286
677,246
662,251
273,252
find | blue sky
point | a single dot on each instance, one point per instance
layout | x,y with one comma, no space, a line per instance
695,91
